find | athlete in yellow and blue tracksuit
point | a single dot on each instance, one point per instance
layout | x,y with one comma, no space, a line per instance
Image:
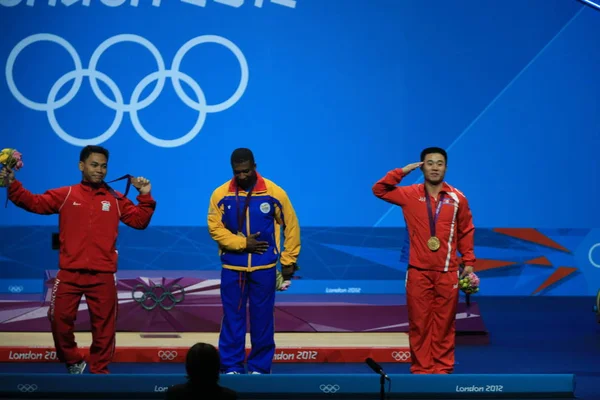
246,218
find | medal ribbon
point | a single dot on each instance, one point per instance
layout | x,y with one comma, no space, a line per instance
242,216
432,218
241,220
111,190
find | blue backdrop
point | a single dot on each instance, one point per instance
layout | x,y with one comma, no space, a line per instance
330,95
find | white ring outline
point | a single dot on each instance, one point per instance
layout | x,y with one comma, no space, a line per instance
27,387
12,57
236,52
167,355
168,142
400,355
15,288
118,104
329,388
124,38
75,140
590,258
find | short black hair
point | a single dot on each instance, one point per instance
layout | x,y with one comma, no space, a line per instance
87,151
242,155
434,150
203,363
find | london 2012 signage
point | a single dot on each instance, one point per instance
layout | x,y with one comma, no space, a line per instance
155,3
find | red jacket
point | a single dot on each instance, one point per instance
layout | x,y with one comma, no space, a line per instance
454,227
88,221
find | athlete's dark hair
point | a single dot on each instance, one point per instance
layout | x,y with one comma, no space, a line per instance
242,155
87,151
434,150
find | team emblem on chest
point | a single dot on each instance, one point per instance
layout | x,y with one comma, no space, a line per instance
105,205
265,208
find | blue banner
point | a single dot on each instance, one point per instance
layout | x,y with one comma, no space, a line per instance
467,386
330,95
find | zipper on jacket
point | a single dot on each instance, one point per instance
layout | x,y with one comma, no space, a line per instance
88,233
248,234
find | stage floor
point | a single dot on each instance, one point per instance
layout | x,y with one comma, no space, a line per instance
313,347
530,340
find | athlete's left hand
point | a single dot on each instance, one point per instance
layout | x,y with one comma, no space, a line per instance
141,184
466,271
285,285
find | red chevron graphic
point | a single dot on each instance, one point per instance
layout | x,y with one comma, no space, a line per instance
558,275
531,235
483,264
539,261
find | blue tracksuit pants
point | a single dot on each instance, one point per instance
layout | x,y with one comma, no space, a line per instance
257,289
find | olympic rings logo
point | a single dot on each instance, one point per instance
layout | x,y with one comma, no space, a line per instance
591,255
27,388
401,355
157,296
167,355
135,104
329,388
15,289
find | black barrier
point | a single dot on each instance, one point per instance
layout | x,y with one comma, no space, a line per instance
306,386
55,241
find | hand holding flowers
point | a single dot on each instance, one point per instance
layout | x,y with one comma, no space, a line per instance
469,283
11,160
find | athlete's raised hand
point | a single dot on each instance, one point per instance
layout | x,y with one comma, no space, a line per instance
141,184
411,167
7,174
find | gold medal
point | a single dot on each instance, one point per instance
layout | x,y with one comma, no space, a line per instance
433,243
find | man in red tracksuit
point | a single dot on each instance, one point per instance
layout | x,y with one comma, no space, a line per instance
89,215
439,222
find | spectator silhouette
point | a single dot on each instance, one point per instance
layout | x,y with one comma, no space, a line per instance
202,365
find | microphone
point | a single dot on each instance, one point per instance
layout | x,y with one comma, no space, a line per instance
376,367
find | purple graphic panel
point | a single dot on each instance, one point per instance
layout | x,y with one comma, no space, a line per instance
188,301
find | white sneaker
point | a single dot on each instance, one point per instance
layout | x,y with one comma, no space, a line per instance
77,369
255,373
232,373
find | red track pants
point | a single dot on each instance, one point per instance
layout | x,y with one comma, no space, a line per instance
100,292
432,299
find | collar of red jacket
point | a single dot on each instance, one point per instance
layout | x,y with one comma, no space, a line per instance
88,186
445,188
260,185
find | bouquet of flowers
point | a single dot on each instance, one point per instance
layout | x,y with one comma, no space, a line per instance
278,280
469,284
280,283
12,159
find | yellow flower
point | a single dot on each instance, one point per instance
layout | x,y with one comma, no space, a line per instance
4,158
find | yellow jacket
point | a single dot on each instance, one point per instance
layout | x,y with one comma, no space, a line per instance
269,212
